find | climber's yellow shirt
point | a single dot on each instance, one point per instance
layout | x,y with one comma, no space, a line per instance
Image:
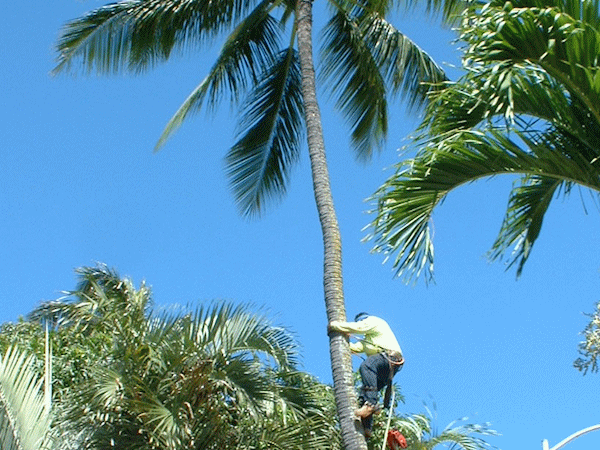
378,336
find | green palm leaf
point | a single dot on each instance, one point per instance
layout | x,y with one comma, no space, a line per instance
523,222
135,34
259,162
362,55
101,301
408,69
225,329
566,48
406,201
247,50
24,413
352,74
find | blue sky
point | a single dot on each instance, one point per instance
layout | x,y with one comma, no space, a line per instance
79,183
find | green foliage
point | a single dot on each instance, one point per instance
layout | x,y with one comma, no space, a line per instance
24,412
589,348
528,105
260,160
421,432
215,376
364,60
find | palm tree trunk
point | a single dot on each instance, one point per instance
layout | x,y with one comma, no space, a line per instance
341,361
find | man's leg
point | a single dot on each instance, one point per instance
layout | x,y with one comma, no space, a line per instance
369,396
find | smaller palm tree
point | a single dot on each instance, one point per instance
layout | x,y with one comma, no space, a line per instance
210,377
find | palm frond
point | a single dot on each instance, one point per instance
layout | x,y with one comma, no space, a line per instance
268,146
108,388
363,55
563,152
450,10
461,434
135,34
161,424
459,440
402,225
228,348
407,68
494,96
24,414
524,216
248,49
102,300
407,200
352,74
543,36
227,329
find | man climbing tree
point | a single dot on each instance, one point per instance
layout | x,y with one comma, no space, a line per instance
384,360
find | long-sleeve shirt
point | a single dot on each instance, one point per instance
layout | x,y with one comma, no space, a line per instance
378,336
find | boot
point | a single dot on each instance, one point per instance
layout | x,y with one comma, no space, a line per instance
365,411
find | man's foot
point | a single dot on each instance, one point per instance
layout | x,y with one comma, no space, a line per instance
365,411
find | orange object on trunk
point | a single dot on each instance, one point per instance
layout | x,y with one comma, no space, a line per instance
396,440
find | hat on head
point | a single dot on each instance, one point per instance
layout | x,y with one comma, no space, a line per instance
361,316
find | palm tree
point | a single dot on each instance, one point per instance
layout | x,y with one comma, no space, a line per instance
272,76
528,105
25,412
213,377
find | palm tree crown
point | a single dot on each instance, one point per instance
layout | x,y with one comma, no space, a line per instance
528,105
364,56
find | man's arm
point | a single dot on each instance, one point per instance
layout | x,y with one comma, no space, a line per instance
358,347
360,327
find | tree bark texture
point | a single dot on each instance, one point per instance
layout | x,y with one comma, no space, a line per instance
341,360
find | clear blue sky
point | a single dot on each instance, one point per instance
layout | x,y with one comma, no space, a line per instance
79,184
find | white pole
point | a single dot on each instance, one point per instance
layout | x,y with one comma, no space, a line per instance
47,370
387,428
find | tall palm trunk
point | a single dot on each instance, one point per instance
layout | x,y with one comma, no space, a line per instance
341,361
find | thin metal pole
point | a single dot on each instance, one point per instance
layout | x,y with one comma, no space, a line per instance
574,436
387,428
